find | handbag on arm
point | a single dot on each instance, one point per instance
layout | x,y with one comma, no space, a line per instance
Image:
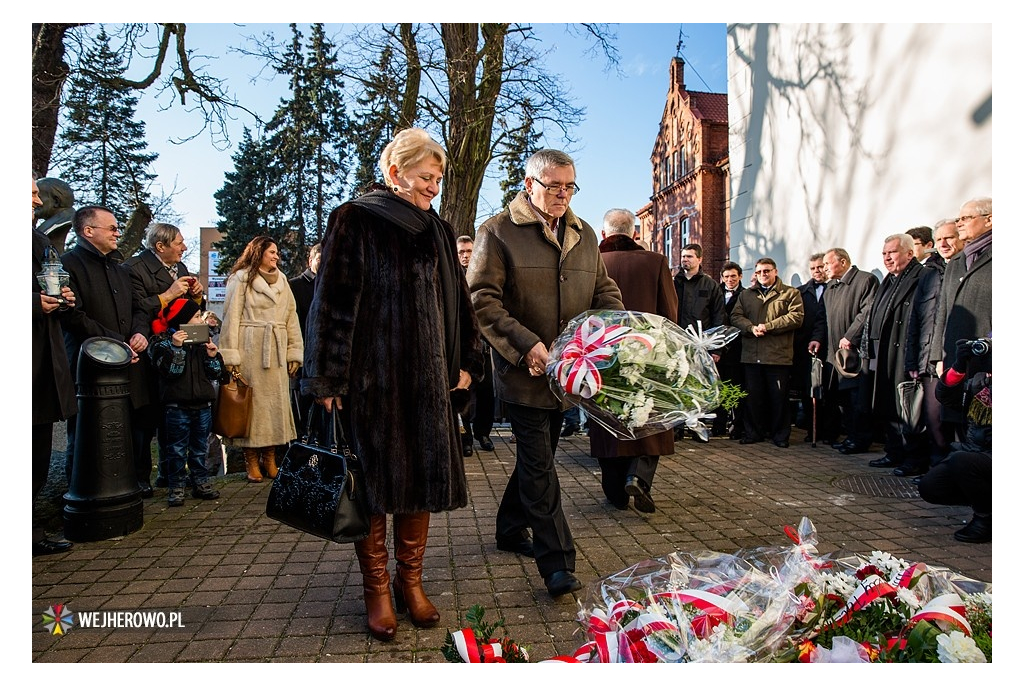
319,488
233,413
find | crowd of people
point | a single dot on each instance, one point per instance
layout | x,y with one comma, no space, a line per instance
411,335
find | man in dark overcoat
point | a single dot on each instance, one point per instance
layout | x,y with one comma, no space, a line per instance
810,340
158,278
303,287
53,388
884,346
644,279
536,266
848,299
104,307
730,368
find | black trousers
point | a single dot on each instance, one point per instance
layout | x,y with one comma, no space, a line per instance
615,471
961,479
533,497
767,406
42,446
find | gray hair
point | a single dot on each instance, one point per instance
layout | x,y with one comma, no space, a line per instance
942,222
408,148
541,160
160,233
982,205
842,254
905,240
619,222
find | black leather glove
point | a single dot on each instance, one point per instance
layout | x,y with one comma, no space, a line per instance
963,355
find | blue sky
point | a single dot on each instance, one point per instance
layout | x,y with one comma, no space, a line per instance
613,143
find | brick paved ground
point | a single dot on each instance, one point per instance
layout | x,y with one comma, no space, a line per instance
251,590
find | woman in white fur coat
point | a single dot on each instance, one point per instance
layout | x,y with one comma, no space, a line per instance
261,339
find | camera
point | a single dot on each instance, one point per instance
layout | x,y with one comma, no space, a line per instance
981,346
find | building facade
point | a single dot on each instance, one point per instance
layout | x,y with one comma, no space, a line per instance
690,176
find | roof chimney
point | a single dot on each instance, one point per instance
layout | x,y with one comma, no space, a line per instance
675,71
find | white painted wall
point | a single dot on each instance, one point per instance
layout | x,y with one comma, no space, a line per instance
842,134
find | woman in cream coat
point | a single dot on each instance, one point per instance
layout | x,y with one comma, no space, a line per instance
261,339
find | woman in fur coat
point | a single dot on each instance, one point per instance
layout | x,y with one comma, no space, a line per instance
260,338
392,341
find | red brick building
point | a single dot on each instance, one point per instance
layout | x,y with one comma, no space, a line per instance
690,176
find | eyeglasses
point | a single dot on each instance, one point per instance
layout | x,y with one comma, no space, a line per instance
965,219
763,272
112,229
570,189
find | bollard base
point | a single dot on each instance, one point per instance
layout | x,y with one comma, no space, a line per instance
91,523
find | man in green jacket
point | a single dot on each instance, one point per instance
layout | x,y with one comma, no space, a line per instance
535,266
767,315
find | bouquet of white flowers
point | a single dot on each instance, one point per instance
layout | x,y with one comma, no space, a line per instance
637,374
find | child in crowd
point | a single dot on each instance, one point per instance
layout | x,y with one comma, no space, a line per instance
187,372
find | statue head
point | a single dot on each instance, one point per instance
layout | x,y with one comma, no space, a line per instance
56,196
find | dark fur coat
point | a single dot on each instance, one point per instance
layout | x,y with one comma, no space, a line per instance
375,338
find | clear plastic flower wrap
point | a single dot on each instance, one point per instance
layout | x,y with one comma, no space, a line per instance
704,607
637,374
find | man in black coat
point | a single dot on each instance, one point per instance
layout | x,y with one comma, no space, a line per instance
729,367
53,389
810,340
303,287
158,278
884,346
104,307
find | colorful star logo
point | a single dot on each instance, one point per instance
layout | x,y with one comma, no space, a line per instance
58,619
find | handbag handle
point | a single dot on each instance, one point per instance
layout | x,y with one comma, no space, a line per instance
336,441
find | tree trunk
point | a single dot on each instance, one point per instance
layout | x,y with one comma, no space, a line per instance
49,71
413,72
471,115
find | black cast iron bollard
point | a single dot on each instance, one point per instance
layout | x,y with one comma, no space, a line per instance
103,499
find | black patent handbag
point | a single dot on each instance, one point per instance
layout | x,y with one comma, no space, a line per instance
319,489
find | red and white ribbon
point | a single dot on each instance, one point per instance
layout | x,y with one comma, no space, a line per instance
870,589
473,653
949,608
592,343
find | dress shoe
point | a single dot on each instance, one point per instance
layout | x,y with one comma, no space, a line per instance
750,441
904,471
54,545
205,491
641,494
978,530
467,449
485,444
883,462
916,480
145,490
840,444
854,448
781,443
562,582
569,431
519,545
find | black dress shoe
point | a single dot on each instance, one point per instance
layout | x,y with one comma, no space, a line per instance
859,449
518,545
51,546
486,445
562,582
750,441
916,480
904,471
145,490
978,530
840,444
883,462
641,495
781,443
467,449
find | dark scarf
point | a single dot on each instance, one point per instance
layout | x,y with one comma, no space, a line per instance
388,206
617,242
976,247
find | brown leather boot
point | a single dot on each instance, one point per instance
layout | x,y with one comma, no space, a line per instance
268,460
373,563
252,465
410,544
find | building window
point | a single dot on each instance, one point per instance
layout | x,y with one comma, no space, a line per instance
678,163
668,247
684,230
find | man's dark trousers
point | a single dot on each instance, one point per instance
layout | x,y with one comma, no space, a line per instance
533,498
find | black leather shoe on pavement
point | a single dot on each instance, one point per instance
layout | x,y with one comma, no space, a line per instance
883,462
518,545
562,582
904,471
467,449
145,490
781,443
978,530
641,495
486,445
857,449
840,444
51,546
916,480
750,441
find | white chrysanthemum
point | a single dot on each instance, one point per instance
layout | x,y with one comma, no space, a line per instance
682,367
888,563
907,597
631,374
836,584
641,411
957,648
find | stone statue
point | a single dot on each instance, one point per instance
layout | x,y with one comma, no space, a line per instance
57,211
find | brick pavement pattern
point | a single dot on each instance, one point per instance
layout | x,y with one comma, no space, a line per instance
250,589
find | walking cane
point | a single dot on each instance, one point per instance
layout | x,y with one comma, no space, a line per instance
816,371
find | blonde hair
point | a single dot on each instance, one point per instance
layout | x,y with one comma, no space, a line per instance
408,148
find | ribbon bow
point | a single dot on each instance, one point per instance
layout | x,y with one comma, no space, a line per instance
593,343
474,653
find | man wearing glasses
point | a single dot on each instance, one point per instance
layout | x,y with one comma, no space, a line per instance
768,315
965,304
535,266
104,307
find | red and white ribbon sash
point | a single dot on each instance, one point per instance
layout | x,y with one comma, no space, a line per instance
591,344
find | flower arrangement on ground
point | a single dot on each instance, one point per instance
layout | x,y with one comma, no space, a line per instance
637,374
476,643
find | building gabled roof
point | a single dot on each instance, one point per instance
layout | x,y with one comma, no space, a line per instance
711,106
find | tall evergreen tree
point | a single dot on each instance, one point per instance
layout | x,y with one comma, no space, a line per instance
250,203
522,141
102,152
376,118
